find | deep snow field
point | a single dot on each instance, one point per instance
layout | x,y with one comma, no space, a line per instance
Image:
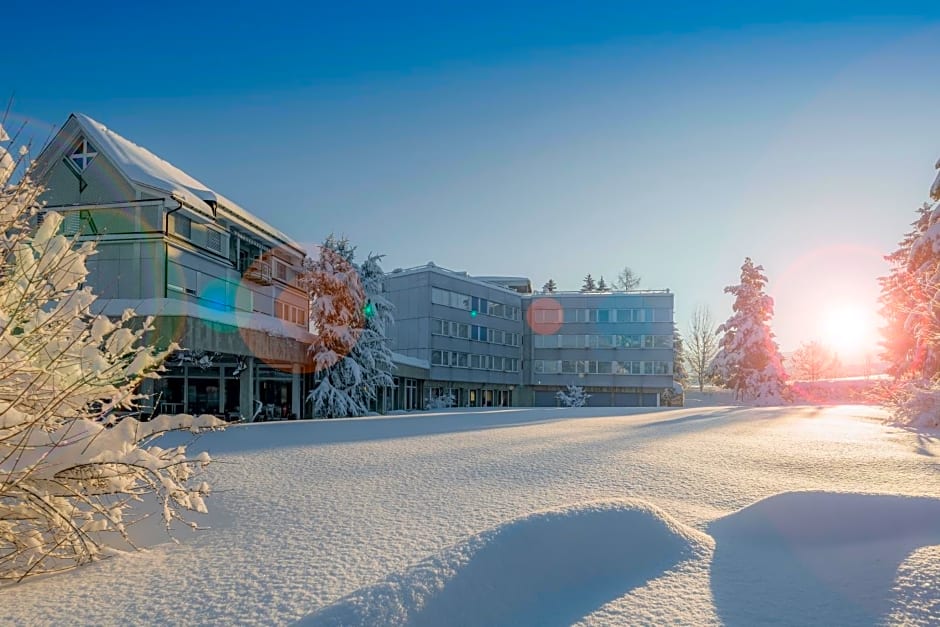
701,515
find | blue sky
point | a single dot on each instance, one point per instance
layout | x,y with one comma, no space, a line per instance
539,139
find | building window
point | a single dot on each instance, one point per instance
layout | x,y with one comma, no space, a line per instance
82,156
662,315
280,270
181,225
213,240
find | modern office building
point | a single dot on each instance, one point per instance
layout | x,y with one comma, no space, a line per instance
616,345
491,341
468,329
220,281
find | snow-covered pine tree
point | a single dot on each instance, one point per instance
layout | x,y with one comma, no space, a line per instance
748,359
572,396
907,341
550,286
678,355
909,305
602,285
373,351
589,284
69,471
337,310
353,355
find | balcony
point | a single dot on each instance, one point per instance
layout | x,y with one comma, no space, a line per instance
259,272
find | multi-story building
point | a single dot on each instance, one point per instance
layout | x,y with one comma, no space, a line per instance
616,345
491,341
220,281
468,329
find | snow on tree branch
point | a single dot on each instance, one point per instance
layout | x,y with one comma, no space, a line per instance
68,471
748,359
351,353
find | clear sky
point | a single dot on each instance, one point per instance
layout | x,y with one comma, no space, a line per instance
541,139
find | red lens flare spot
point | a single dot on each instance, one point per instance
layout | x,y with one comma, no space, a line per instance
544,316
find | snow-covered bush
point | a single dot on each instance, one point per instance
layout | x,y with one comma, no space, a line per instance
442,402
68,469
572,396
916,404
748,359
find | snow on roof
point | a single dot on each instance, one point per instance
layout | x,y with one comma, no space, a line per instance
405,360
519,284
145,168
433,267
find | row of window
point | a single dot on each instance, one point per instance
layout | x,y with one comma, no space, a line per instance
580,366
224,295
601,341
464,331
476,362
290,313
474,305
645,314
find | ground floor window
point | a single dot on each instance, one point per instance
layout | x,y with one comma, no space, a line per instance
411,394
219,389
275,399
203,395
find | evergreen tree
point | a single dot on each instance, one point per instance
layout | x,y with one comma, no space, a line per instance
550,286
352,354
909,297
337,310
678,355
907,341
748,359
602,285
373,351
589,285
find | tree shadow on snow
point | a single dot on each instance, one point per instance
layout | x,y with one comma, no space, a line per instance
250,437
549,568
816,557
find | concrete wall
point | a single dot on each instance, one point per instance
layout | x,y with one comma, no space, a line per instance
410,292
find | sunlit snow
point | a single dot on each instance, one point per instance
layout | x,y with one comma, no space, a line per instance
700,515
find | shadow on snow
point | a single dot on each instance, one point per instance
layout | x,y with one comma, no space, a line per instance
816,557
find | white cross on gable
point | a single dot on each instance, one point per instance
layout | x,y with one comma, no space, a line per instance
83,155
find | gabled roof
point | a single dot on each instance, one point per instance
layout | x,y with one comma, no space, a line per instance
144,168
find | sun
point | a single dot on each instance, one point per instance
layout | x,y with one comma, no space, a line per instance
848,329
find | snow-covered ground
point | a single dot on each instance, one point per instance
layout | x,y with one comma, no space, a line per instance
700,515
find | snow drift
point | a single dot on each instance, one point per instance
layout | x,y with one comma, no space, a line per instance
817,557
551,567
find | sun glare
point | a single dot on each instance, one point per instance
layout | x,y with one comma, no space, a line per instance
848,330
